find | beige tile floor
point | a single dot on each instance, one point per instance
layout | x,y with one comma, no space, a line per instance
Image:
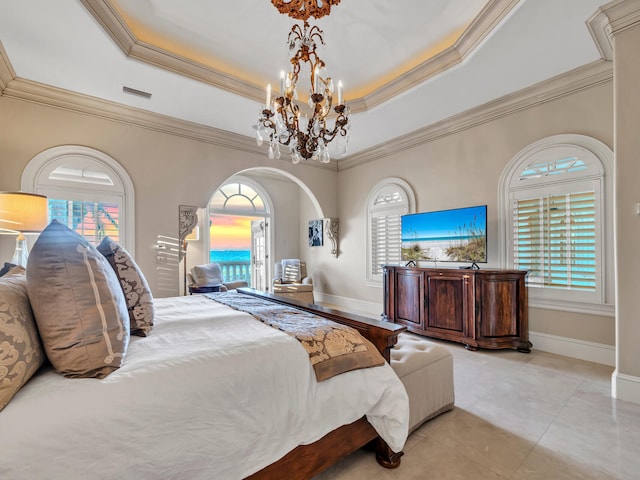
518,416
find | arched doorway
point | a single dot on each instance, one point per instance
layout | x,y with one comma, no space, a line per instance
239,215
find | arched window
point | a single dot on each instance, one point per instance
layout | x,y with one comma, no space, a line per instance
556,202
238,198
86,190
388,201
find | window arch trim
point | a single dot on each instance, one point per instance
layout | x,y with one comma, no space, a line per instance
601,171
390,182
266,199
45,162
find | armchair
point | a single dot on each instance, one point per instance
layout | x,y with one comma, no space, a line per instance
290,280
208,278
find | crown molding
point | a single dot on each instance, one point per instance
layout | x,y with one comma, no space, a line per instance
76,102
7,73
600,30
35,92
579,79
576,80
112,23
622,14
108,17
487,20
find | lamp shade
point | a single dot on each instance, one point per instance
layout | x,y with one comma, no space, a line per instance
23,212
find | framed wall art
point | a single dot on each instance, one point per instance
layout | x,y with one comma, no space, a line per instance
315,233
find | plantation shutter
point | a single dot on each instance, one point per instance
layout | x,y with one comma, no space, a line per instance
385,208
385,240
92,220
555,239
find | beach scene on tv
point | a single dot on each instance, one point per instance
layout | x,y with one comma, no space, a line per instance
458,235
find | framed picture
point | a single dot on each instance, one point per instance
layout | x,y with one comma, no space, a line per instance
315,233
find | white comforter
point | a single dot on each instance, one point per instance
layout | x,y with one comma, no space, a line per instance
211,394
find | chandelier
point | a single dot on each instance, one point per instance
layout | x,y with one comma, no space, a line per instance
281,122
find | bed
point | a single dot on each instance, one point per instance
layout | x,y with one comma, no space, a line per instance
198,398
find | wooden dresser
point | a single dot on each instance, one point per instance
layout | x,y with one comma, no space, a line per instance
479,308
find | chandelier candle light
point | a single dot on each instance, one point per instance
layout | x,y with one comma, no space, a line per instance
281,122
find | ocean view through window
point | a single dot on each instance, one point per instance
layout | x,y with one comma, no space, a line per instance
235,264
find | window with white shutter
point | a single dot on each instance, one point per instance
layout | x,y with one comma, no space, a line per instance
555,240
92,220
389,200
86,190
557,204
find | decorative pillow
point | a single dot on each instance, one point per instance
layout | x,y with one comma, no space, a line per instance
78,304
134,285
209,274
20,349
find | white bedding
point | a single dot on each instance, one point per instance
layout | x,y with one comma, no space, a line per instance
211,393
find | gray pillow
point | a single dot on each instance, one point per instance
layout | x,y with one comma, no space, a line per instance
78,304
134,286
20,350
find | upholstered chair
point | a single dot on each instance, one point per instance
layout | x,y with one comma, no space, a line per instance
208,278
290,280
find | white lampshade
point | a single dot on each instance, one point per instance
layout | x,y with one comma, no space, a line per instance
23,212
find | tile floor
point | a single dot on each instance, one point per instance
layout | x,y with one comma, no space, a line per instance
518,416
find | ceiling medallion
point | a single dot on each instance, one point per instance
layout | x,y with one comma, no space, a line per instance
303,9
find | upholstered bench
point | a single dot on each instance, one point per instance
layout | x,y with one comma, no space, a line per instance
426,370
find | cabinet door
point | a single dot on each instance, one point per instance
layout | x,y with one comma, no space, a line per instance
409,299
502,313
449,305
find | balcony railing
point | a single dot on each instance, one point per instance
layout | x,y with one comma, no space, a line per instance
236,271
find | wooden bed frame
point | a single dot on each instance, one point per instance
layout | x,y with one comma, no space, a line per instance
305,461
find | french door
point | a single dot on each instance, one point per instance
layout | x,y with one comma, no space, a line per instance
259,254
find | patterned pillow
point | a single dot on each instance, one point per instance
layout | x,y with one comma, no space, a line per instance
20,349
134,285
78,304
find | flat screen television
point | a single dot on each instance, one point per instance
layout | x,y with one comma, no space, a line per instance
457,235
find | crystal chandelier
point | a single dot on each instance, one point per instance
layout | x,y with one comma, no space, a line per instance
281,122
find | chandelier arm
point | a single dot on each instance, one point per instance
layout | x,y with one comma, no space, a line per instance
280,121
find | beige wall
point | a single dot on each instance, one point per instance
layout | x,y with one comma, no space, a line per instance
166,171
627,150
455,170
463,169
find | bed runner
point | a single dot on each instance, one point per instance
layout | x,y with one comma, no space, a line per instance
333,348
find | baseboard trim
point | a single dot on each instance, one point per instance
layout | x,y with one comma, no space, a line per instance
352,305
625,387
571,347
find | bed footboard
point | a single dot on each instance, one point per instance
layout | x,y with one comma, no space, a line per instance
384,335
305,461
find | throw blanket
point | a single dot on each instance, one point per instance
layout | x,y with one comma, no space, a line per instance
333,348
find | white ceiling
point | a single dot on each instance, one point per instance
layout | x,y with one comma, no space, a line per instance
213,57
